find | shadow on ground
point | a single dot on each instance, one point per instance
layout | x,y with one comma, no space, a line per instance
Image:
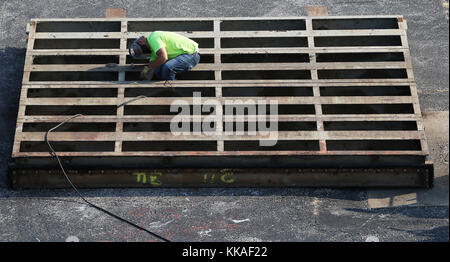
11,71
436,234
436,212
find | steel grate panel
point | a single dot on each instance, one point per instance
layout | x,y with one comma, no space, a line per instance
344,70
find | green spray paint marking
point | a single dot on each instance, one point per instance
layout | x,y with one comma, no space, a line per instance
225,176
154,181
141,177
226,172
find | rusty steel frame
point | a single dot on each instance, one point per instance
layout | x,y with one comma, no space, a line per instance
323,157
381,177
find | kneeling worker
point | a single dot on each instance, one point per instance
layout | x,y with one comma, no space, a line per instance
170,54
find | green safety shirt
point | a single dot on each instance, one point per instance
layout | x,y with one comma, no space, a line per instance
175,44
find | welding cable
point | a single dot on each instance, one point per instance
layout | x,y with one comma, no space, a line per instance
131,100
53,154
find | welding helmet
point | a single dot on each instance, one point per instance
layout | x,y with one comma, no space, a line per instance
136,48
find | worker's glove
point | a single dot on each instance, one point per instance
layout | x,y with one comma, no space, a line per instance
144,72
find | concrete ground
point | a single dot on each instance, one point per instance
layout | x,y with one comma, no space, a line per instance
235,214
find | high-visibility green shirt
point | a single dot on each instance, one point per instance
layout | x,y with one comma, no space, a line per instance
174,43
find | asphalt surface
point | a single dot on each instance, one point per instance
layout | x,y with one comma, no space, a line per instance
227,214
